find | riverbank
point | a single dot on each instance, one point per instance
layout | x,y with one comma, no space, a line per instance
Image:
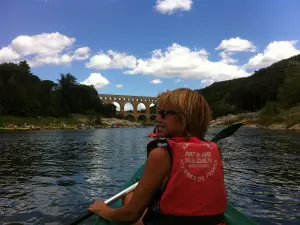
76,121
286,120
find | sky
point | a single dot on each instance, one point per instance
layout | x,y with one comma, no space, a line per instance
143,47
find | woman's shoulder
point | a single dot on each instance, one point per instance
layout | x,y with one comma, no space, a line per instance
157,143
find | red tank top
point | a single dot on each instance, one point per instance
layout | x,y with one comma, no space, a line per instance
196,182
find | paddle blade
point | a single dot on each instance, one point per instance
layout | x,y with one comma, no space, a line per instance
82,218
228,131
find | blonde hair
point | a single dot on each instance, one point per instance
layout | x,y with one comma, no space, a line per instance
194,110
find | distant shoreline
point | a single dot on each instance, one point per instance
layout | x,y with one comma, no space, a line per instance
64,128
77,122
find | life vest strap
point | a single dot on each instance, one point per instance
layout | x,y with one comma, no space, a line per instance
158,143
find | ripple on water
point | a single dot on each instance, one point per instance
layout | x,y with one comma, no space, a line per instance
49,177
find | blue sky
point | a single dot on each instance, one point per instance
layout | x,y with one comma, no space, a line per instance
143,47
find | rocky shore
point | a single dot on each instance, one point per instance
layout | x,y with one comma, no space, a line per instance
108,122
253,120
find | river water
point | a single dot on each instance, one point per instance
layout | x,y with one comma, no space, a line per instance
50,177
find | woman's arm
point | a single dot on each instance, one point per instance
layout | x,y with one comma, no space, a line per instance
157,168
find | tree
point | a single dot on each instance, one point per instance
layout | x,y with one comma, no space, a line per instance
24,94
24,67
66,80
153,109
289,93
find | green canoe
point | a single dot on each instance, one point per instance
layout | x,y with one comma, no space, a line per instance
232,215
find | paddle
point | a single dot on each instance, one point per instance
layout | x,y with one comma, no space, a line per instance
226,132
108,201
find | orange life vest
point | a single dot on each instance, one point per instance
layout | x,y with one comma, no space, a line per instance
196,182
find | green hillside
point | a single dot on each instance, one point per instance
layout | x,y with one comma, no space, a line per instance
278,85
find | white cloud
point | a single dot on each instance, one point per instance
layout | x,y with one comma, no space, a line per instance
41,44
236,45
156,81
117,106
226,58
185,63
275,51
111,60
50,60
207,82
58,59
177,81
82,53
97,80
8,55
171,6
232,45
141,106
128,106
119,85
45,48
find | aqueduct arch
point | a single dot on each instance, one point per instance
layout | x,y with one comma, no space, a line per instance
135,101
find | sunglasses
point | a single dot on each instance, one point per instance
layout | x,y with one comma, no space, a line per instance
164,113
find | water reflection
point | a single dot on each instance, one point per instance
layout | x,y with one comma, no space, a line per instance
52,176
261,174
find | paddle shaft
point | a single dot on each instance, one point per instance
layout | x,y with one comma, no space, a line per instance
221,135
121,194
108,201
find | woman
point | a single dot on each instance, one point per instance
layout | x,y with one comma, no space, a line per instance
183,181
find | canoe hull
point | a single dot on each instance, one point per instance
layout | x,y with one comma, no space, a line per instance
232,215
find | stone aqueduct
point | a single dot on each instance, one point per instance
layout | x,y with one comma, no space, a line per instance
136,115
